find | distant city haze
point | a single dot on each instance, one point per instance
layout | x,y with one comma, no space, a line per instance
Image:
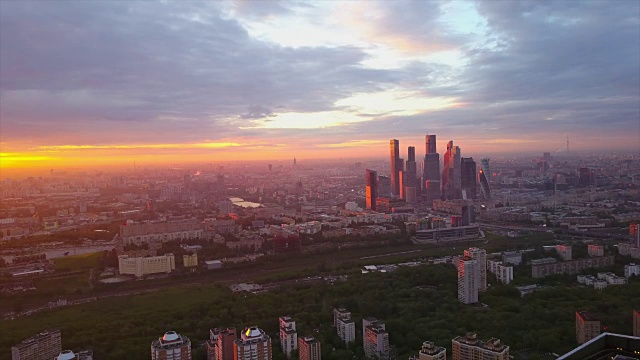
97,83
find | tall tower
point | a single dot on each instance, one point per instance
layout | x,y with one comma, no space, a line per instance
451,182
431,171
371,189
394,148
410,175
468,278
288,335
468,177
483,178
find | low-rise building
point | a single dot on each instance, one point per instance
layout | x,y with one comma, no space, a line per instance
631,270
548,266
141,266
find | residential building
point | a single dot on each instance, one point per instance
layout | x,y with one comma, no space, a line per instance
587,326
468,347
140,233
309,348
512,257
376,341
220,344
548,266
340,313
636,323
171,346
430,351
631,270
504,274
595,250
44,346
288,335
371,189
141,266
346,329
468,280
253,344
564,251
70,355
481,256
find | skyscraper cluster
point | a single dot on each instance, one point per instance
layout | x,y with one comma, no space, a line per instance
458,179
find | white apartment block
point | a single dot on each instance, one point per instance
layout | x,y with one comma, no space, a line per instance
481,256
141,266
504,274
492,266
631,269
288,335
346,330
468,279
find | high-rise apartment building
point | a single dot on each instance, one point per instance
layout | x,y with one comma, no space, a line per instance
220,344
468,178
394,147
468,279
288,335
171,346
484,174
376,341
253,344
430,351
481,256
636,323
309,348
587,326
468,347
371,189
141,266
345,327
44,346
595,250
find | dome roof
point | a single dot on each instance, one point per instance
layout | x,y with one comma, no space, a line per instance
170,336
66,355
252,332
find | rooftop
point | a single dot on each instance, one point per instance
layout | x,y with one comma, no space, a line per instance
587,316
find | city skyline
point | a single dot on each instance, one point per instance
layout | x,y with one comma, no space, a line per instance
103,83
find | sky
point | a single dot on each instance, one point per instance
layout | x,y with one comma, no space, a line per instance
108,82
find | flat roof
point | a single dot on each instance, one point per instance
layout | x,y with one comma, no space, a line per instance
587,315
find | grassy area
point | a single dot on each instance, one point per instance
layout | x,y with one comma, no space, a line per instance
77,262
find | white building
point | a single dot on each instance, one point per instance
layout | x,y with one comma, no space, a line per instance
504,274
631,269
346,330
141,266
492,266
288,335
512,257
468,279
481,256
